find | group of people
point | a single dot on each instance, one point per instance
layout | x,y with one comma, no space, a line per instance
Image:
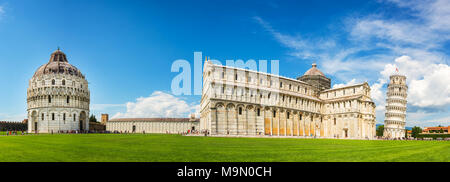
15,132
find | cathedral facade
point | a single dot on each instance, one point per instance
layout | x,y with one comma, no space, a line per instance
58,97
244,102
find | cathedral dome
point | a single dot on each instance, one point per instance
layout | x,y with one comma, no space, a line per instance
58,64
314,71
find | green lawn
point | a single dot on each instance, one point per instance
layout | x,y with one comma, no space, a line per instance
138,147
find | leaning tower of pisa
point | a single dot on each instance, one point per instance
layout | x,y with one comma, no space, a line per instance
394,123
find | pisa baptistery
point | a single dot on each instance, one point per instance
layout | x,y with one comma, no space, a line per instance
58,97
394,123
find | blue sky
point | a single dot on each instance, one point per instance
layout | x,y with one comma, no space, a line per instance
126,48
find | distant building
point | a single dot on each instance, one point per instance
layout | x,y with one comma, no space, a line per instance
432,130
153,125
104,119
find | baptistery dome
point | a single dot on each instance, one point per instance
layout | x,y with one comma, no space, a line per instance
58,64
58,97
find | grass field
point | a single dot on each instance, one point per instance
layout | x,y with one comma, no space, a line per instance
142,148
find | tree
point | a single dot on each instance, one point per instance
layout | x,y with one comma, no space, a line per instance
92,118
380,130
416,131
441,131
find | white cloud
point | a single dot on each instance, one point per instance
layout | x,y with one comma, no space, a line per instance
158,104
429,83
429,28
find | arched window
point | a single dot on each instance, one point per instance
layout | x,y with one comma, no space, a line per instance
288,115
64,116
53,116
74,117
49,99
64,82
240,110
274,113
53,82
259,112
300,117
68,99
42,117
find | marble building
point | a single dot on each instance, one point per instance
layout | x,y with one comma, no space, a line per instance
152,125
394,123
58,97
244,102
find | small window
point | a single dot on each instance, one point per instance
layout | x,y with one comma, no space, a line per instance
64,82
300,117
353,90
74,117
49,99
68,99
240,110
235,76
281,84
289,86
274,114
42,117
288,115
258,111
268,96
334,121
64,116
53,116
53,82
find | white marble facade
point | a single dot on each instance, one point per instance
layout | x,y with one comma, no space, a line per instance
394,123
152,125
58,97
243,102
